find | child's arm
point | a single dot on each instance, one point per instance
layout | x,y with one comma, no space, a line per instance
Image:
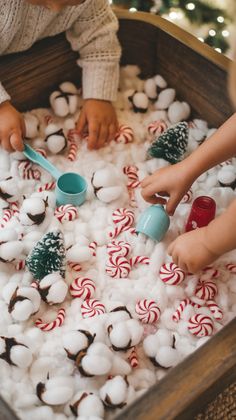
174,181
195,250
94,36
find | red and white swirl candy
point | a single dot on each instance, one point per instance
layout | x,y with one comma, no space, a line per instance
93,246
133,358
124,135
187,197
7,215
123,219
139,259
92,307
26,171
231,268
178,312
66,213
47,187
118,267
148,311
49,326
74,266
119,248
72,151
206,290
171,274
157,127
200,325
215,310
82,287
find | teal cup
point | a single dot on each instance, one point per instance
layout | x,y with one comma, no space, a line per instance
153,222
71,187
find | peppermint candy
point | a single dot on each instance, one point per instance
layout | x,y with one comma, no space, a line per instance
171,274
93,247
139,259
206,290
66,213
133,358
119,248
91,308
118,267
187,197
178,312
49,326
215,310
74,266
147,310
156,128
124,135
82,287
47,187
231,268
72,152
200,325
20,265
123,219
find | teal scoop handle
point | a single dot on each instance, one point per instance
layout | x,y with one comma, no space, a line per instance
35,157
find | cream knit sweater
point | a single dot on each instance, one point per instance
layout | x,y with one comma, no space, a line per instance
91,29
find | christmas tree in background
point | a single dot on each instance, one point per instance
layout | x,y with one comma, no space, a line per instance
200,13
172,144
48,256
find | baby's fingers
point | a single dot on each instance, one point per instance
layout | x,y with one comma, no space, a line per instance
103,136
16,141
5,142
93,134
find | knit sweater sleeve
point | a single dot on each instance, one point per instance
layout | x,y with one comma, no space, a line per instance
3,94
94,36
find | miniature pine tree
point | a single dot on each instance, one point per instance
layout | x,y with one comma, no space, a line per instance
47,256
172,144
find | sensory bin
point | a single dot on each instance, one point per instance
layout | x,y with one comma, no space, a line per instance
93,314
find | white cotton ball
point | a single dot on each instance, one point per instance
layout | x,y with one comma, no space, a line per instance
135,329
2,346
178,111
165,98
9,189
26,401
188,313
33,206
59,104
69,124
160,82
31,126
56,142
89,405
21,356
150,345
211,181
167,356
74,341
8,290
100,349
39,413
22,310
105,177
120,335
79,254
114,390
11,250
8,235
68,87
150,88
165,337
140,101
119,367
107,195
202,341
226,176
96,365
57,391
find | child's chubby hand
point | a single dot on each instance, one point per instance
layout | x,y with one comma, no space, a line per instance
191,251
98,118
12,128
170,183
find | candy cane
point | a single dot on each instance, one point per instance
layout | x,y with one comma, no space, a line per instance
15,207
93,247
20,265
7,215
49,326
74,266
133,358
178,312
47,187
41,151
73,136
123,219
215,310
209,272
35,285
132,172
72,152
139,259
231,268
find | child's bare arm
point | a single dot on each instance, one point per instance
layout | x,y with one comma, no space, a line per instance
12,127
195,250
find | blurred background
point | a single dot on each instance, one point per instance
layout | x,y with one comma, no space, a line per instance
211,21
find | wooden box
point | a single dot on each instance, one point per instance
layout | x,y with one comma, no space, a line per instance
199,74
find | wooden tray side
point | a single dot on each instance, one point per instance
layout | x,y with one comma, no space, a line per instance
190,386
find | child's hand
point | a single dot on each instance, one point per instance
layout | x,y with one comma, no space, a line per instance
172,181
12,128
98,118
190,251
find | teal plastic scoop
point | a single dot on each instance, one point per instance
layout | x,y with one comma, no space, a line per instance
71,187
